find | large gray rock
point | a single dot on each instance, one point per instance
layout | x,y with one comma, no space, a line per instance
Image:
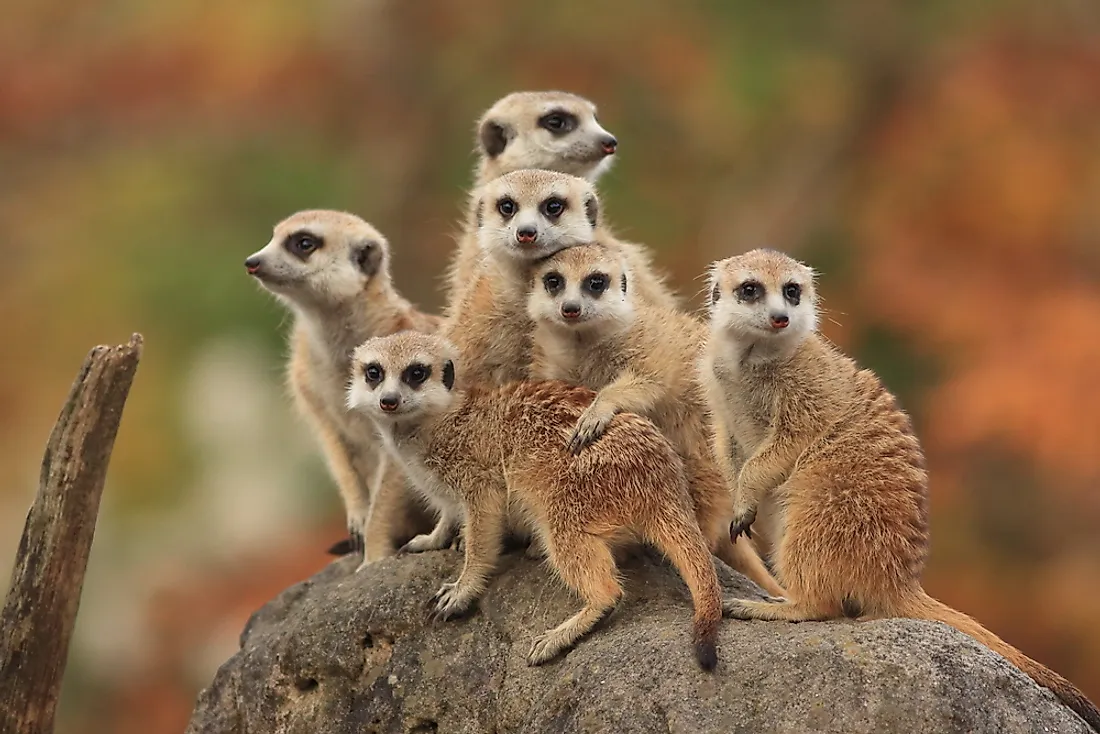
354,653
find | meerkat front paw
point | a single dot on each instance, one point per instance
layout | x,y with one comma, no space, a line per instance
450,602
546,647
425,542
590,426
742,523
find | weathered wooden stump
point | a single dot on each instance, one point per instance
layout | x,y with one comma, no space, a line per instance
37,621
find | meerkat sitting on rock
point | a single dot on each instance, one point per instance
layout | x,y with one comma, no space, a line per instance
521,217
332,269
478,451
590,331
551,130
798,419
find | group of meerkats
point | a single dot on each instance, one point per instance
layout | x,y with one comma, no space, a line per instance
565,399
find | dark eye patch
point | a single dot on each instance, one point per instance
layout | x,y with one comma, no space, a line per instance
750,291
553,207
558,122
374,374
553,282
507,207
416,374
792,292
596,284
303,243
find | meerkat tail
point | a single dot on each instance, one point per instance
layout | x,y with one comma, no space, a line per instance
687,549
922,606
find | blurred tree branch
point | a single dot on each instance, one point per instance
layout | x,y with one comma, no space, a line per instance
37,620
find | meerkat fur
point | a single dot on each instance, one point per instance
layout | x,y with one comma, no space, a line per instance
483,449
590,331
331,269
549,130
841,456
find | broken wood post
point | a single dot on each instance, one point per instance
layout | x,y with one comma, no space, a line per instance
37,620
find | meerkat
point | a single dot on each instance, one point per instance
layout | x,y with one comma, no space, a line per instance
332,270
798,419
481,450
550,130
638,357
522,217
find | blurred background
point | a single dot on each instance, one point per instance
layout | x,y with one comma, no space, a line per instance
937,162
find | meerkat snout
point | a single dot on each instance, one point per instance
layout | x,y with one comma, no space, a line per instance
779,320
253,264
389,402
609,144
571,310
526,234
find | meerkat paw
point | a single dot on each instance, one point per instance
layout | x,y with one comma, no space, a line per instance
548,646
459,543
425,542
450,602
735,609
590,426
742,523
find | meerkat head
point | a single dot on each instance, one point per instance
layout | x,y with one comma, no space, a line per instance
583,287
321,257
763,294
531,214
557,131
402,378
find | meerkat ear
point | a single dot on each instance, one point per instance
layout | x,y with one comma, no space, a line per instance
480,213
494,138
592,210
622,282
367,257
448,374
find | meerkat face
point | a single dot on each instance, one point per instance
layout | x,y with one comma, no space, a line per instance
531,214
320,257
402,378
584,287
763,294
552,130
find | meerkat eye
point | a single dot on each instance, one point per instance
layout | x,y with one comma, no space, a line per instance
553,207
596,283
374,374
793,293
302,244
553,282
416,374
558,122
506,207
750,290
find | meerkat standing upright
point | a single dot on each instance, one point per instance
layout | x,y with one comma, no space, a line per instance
590,331
554,131
841,456
486,449
332,269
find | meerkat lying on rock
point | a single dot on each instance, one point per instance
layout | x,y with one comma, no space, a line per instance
478,451
798,419
332,269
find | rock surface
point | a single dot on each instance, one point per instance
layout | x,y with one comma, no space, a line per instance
348,652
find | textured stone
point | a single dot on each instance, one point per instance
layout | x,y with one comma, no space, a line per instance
348,652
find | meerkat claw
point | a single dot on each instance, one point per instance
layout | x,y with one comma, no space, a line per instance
742,523
448,604
589,428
